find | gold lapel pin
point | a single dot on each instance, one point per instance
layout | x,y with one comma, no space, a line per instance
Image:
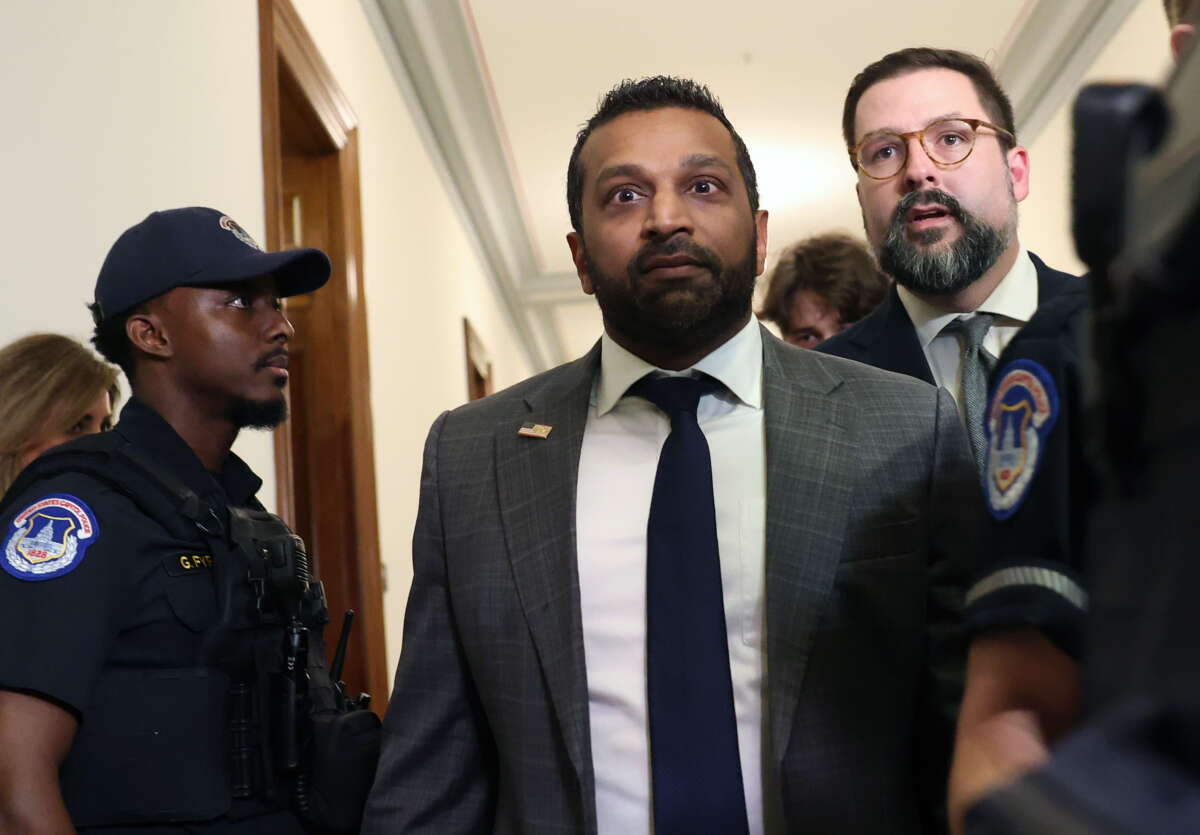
534,430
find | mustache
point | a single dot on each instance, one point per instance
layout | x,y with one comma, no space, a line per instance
262,361
929,195
677,246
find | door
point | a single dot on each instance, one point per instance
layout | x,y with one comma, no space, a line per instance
325,452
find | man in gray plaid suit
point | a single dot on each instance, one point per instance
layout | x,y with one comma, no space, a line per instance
846,519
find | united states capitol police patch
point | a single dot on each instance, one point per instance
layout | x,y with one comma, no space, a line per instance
230,225
1020,414
48,538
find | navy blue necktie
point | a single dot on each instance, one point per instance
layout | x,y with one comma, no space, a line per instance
696,772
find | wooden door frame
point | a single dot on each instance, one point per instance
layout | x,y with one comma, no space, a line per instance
479,363
282,37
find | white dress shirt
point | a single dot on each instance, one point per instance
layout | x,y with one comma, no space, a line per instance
617,465
1013,302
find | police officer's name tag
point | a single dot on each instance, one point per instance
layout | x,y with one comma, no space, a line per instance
181,564
1020,414
48,538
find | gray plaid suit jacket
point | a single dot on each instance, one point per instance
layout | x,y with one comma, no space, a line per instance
873,514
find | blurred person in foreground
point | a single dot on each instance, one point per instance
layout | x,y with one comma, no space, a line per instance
1030,608
52,389
820,286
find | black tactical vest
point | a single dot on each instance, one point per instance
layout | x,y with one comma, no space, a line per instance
181,743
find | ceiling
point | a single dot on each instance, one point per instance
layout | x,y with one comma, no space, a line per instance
503,86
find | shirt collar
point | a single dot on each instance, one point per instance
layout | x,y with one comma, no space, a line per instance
141,425
1014,299
737,364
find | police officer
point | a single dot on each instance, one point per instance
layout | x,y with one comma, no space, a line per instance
112,711
1026,609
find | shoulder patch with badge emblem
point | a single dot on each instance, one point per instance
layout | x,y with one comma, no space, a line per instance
230,225
48,538
1020,414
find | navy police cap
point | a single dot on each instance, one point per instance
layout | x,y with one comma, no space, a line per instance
192,247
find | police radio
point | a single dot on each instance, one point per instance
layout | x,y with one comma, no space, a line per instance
326,742
285,589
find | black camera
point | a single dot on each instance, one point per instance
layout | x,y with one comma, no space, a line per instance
1133,765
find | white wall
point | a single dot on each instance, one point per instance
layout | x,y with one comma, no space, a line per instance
114,110
1138,53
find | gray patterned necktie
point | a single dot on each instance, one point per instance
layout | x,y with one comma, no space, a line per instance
976,364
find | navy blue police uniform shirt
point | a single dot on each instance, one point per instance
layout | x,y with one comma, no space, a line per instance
92,583
1036,481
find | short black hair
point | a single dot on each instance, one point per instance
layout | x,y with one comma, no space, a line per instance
110,339
653,93
1179,11
991,95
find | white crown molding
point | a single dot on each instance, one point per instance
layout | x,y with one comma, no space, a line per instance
431,51
1049,50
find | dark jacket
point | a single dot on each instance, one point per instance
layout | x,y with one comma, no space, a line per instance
887,339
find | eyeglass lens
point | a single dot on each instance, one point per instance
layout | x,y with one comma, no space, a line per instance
947,142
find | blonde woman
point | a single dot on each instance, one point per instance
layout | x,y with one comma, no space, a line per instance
52,389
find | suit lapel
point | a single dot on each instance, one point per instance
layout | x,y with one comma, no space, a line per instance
809,491
897,348
536,483
886,339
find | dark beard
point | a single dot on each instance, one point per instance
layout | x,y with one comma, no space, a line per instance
947,270
257,414
677,318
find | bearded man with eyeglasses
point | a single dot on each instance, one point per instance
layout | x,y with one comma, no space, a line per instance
931,135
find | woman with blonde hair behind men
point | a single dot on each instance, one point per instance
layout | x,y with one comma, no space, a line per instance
52,389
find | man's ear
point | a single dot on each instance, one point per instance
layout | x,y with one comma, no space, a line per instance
579,256
760,238
1017,160
1182,35
147,332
